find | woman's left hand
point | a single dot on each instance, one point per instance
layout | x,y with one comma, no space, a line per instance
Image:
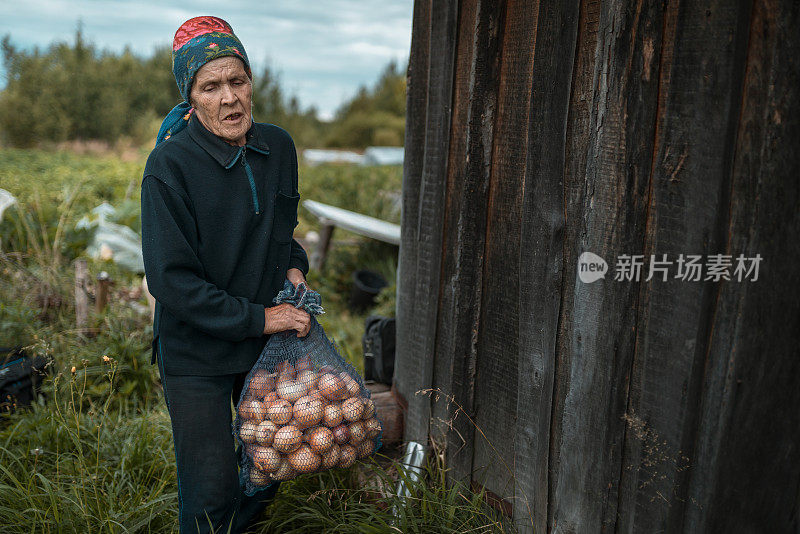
295,276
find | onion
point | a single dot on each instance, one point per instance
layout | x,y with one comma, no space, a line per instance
285,370
303,363
266,432
247,432
333,415
341,434
369,408
353,389
357,432
373,427
308,378
266,459
365,448
252,410
258,478
270,397
332,387
352,409
319,439
291,390
287,438
347,456
317,394
261,383
280,411
295,422
308,411
284,472
331,457
328,369
304,460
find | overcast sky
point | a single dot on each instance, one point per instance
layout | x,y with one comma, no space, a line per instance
322,49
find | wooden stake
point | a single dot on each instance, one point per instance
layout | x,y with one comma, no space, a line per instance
101,298
81,297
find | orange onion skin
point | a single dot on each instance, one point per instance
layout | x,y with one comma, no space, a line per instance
280,412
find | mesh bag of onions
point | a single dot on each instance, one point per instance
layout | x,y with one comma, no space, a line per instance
303,409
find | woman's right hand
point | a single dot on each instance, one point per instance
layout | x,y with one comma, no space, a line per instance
286,317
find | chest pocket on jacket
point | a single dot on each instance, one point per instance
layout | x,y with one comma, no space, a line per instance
285,218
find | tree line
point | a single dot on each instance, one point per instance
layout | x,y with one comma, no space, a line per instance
73,91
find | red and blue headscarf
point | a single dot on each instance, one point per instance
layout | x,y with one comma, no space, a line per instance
197,41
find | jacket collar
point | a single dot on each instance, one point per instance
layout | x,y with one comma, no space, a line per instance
225,154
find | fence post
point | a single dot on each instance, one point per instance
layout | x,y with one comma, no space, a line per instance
81,297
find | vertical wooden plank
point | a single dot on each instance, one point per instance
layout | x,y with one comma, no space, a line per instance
687,214
605,205
494,370
406,370
746,467
498,133
418,310
461,262
559,26
550,193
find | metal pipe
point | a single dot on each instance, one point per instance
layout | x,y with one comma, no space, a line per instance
411,467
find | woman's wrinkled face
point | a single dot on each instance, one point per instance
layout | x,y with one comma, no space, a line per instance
221,95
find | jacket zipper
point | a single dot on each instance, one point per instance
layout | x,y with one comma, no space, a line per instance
251,179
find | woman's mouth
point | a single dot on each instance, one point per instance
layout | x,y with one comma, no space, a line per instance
233,118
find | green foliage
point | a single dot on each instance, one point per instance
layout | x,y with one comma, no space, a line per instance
97,455
271,105
76,92
48,175
373,117
362,500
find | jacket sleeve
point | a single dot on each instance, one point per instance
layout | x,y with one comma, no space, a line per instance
175,276
298,258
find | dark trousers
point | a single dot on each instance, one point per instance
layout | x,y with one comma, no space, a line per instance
210,497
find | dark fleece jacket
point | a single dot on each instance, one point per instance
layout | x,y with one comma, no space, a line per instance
217,225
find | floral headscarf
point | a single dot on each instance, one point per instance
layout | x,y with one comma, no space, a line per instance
197,41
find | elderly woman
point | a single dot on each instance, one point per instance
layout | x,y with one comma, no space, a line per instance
219,206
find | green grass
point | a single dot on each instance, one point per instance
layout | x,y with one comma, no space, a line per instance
96,455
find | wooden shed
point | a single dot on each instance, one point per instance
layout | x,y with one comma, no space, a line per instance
645,133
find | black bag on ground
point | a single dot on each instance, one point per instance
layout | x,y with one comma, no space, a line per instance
20,376
379,344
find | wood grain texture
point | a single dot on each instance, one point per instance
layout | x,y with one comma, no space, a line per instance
622,127
539,250
420,279
747,445
596,338
406,373
495,337
497,370
459,305
390,413
688,209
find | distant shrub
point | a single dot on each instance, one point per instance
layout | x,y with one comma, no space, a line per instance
374,117
75,92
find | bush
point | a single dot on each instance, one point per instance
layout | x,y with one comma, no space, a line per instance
76,92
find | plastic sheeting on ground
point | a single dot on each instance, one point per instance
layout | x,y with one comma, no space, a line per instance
112,241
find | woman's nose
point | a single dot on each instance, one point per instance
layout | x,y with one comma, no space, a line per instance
228,96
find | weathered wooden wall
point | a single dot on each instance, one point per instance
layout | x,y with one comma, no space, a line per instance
540,130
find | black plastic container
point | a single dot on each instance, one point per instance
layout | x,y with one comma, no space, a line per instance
366,286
